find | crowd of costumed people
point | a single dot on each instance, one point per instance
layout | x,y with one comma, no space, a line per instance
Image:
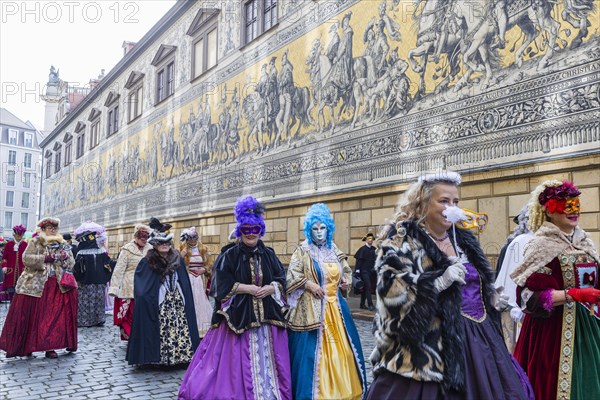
446,325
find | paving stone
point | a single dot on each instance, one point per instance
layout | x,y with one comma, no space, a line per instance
98,370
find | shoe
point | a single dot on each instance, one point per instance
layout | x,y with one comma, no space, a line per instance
51,354
71,350
29,355
363,307
372,308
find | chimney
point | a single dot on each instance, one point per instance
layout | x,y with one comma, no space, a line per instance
127,47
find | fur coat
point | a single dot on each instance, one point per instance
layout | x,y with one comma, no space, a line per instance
36,272
121,283
418,330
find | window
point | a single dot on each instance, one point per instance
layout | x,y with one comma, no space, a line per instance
12,157
8,218
10,198
27,160
164,61
27,180
80,144
204,40
57,158
113,121
259,16
28,139
48,166
94,134
136,96
10,178
24,219
25,200
13,135
68,152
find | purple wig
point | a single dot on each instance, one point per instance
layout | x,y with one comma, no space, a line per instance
249,211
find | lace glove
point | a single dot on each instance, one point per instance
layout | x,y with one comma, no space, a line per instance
587,295
454,273
499,299
516,314
49,258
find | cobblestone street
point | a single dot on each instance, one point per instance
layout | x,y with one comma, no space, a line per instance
98,370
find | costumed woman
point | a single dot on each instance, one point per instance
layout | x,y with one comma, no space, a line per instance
121,283
325,351
12,262
43,313
245,354
92,271
195,255
437,327
558,287
164,329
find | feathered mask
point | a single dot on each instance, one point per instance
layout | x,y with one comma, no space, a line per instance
465,218
160,232
249,211
189,234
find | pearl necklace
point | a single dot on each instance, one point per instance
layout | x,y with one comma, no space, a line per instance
434,237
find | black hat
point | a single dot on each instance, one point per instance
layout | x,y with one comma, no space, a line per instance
368,235
67,236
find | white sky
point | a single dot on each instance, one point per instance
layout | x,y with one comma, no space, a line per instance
78,37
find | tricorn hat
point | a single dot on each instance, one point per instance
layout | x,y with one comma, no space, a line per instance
368,235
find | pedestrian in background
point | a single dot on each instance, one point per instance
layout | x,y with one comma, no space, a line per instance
437,327
69,239
325,350
514,251
92,271
365,267
12,262
246,355
195,256
164,329
121,283
559,287
43,313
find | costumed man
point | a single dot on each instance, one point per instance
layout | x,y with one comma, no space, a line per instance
92,271
559,290
325,352
365,268
12,262
164,329
195,256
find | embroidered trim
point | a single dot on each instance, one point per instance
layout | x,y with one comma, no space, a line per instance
565,364
232,292
484,316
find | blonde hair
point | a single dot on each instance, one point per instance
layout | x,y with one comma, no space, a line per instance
537,213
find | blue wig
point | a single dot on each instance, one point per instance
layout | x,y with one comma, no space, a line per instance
319,212
249,211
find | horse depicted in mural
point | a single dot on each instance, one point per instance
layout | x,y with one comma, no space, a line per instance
576,13
479,20
325,93
170,151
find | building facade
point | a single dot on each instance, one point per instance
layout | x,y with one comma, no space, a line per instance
20,155
339,101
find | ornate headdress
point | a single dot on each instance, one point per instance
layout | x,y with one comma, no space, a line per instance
249,211
550,196
89,231
19,229
188,234
441,177
48,221
160,232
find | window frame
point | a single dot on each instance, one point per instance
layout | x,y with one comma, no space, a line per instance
48,159
261,10
10,220
68,152
164,61
25,163
25,222
206,22
12,160
26,181
25,195
57,158
13,134
94,133
135,102
12,198
9,174
27,135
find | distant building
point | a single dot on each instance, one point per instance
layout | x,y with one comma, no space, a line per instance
20,155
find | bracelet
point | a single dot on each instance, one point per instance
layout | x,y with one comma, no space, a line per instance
567,301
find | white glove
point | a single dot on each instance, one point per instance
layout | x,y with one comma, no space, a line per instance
454,273
499,299
516,314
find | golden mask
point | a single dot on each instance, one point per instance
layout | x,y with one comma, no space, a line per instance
572,206
474,220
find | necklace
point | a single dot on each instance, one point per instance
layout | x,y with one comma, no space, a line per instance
436,238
